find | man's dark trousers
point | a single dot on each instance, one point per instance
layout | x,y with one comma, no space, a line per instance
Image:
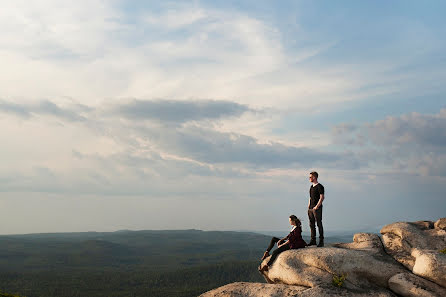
315,216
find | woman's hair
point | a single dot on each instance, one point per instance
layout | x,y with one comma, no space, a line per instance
296,220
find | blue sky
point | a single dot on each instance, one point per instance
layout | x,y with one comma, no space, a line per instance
210,114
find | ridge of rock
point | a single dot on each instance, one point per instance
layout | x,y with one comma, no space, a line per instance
407,261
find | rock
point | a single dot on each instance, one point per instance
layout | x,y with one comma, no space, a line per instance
407,261
423,225
409,285
279,290
334,292
401,238
312,267
430,265
242,289
363,241
440,224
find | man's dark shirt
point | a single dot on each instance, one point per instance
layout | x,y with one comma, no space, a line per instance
315,194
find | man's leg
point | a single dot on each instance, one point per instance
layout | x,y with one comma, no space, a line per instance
318,214
277,252
311,218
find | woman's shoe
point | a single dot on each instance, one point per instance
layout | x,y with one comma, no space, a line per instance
265,254
264,268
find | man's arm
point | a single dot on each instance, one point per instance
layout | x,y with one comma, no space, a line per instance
320,202
309,201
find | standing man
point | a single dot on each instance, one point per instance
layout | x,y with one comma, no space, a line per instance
315,209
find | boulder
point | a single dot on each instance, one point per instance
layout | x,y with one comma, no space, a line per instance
440,224
430,265
409,285
313,267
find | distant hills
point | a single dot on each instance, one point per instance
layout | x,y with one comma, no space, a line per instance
177,263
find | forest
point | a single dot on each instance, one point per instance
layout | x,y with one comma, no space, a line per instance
127,263
171,263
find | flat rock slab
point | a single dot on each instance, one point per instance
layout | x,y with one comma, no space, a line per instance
243,289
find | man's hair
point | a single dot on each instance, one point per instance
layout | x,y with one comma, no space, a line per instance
296,220
314,173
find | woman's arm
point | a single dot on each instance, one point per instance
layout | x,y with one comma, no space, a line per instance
283,240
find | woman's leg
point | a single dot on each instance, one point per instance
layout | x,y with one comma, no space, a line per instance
272,243
277,252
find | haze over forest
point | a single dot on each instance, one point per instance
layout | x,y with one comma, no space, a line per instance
209,115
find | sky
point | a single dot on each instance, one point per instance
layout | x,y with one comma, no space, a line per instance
210,114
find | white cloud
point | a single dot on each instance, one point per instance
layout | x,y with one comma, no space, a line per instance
176,18
412,142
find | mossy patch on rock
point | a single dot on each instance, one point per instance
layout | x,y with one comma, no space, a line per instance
338,280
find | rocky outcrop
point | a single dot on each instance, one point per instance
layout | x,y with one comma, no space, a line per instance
401,239
416,245
406,262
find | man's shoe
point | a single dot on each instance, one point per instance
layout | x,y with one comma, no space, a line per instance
312,242
321,243
265,255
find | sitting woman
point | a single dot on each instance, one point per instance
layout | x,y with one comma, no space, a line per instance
291,241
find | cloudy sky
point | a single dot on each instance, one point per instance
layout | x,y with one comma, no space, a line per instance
210,114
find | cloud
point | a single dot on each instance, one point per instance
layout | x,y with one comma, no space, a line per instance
413,142
425,130
194,137
14,108
44,107
210,146
122,156
176,18
176,111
